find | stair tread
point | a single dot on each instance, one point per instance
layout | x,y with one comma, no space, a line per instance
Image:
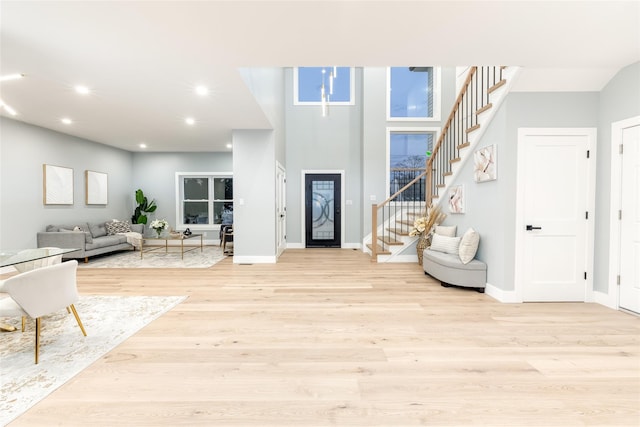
472,128
389,241
457,159
399,231
483,109
379,249
464,145
497,86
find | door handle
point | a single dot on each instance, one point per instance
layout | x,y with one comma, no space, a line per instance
531,227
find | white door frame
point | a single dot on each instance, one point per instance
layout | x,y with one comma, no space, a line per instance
281,198
304,172
612,297
591,205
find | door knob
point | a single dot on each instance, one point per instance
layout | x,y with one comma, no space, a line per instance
531,227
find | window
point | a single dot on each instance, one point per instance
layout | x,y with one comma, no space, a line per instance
204,199
413,93
338,84
407,158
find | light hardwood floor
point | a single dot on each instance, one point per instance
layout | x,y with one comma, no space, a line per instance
325,337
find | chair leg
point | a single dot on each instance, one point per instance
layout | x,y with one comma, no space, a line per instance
24,322
75,313
37,338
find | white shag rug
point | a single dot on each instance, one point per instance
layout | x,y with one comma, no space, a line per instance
157,259
64,351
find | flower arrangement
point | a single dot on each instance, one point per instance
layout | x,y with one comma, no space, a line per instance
425,224
159,225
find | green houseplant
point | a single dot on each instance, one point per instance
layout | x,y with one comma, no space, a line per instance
144,207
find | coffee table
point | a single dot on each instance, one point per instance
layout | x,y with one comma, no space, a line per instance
166,239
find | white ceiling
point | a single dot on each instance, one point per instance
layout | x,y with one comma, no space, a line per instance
142,59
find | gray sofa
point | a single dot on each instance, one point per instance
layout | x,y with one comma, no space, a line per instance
449,269
91,239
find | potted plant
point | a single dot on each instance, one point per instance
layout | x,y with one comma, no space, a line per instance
144,207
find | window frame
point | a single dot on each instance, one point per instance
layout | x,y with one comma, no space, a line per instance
179,183
352,90
404,129
437,86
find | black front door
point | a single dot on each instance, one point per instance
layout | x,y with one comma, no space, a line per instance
322,210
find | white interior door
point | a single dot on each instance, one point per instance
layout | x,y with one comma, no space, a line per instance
630,221
281,210
555,185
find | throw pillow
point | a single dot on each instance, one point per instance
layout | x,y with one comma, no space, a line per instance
469,245
116,227
448,245
97,229
446,230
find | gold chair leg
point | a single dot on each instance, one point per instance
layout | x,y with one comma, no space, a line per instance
75,313
24,322
37,338
68,311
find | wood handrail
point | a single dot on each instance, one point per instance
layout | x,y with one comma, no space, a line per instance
416,179
451,116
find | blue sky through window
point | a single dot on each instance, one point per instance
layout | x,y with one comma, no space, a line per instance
310,82
411,92
409,149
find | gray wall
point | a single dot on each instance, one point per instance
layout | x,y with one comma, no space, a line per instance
23,150
155,175
619,100
490,206
323,143
254,188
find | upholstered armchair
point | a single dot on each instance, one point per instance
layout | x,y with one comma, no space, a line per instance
42,291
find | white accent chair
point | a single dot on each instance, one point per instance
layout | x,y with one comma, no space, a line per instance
42,291
32,265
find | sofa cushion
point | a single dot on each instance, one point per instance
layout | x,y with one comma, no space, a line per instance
446,230
468,245
452,261
69,227
87,236
104,241
115,227
97,229
445,244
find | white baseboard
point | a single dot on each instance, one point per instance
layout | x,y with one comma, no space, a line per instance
606,299
254,259
500,294
295,245
345,246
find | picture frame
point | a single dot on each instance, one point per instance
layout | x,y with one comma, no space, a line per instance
57,185
96,188
456,199
485,164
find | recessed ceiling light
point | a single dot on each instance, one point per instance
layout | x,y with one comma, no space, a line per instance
82,90
66,121
11,77
202,90
229,145
190,121
8,108
143,145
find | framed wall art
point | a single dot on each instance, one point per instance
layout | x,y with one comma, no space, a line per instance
57,185
485,164
456,199
96,188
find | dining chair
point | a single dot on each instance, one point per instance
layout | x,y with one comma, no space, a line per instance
42,291
226,237
32,265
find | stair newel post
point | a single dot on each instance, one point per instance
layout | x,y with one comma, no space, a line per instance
428,190
374,233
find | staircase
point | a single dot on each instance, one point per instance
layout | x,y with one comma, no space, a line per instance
480,96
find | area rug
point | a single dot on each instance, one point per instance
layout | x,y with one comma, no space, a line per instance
158,259
64,351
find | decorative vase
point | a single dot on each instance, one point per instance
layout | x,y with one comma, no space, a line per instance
423,241
158,232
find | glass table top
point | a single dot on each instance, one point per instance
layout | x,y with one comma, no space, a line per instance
10,257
